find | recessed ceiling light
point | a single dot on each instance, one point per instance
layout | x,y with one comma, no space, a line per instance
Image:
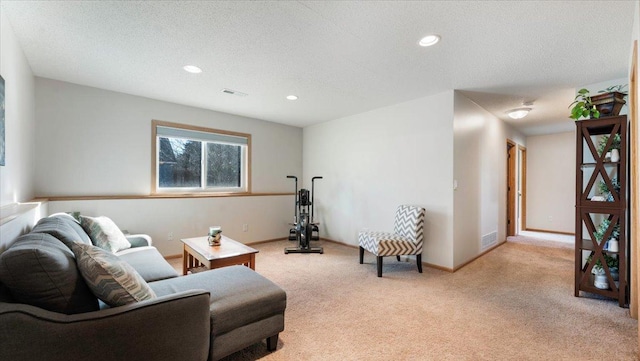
429,40
192,69
292,97
519,113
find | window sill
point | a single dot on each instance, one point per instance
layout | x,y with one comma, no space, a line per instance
164,195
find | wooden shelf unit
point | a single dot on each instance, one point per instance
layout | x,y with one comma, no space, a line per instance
593,171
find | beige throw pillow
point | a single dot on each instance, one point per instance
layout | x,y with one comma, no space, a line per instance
104,233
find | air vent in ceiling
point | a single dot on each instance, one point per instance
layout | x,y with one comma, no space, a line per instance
234,92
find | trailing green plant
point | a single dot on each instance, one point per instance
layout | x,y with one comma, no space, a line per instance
612,261
602,228
602,143
583,107
604,190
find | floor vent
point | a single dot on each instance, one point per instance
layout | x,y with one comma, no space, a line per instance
489,240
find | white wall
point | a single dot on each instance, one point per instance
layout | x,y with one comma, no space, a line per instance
107,135
374,161
97,142
480,170
16,177
265,216
551,178
17,219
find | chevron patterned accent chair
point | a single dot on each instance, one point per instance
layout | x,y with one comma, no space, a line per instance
406,239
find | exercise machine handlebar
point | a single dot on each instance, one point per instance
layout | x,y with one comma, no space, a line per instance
312,192
295,205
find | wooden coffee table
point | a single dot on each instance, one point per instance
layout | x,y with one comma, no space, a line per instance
198,253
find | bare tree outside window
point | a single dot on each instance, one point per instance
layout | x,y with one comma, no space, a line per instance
180,163
223,165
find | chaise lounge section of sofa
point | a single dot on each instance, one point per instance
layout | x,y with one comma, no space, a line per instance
48,312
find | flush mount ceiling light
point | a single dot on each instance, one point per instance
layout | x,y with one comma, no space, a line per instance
292,97
519,113
192,69
429,40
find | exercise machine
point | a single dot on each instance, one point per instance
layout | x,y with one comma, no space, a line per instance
304,228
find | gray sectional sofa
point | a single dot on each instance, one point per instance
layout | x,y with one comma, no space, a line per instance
47,311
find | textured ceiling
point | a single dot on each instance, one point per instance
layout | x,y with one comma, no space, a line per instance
340,58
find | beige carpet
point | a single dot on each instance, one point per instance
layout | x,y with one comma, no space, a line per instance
515,303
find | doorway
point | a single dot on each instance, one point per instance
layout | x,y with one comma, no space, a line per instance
511,188
635,187
521,206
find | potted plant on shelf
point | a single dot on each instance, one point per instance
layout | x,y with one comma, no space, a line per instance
583,106
606,192
602,228
610,101
600,277
614,148
612,262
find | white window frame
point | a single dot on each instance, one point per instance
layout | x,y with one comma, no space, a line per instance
204,135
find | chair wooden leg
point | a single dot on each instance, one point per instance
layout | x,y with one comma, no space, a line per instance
361,255
398,258
419,261
272,342
379,264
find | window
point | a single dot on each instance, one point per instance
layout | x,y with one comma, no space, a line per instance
189,159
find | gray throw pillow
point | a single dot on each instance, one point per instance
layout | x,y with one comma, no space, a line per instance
39,270
111,279
104,233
